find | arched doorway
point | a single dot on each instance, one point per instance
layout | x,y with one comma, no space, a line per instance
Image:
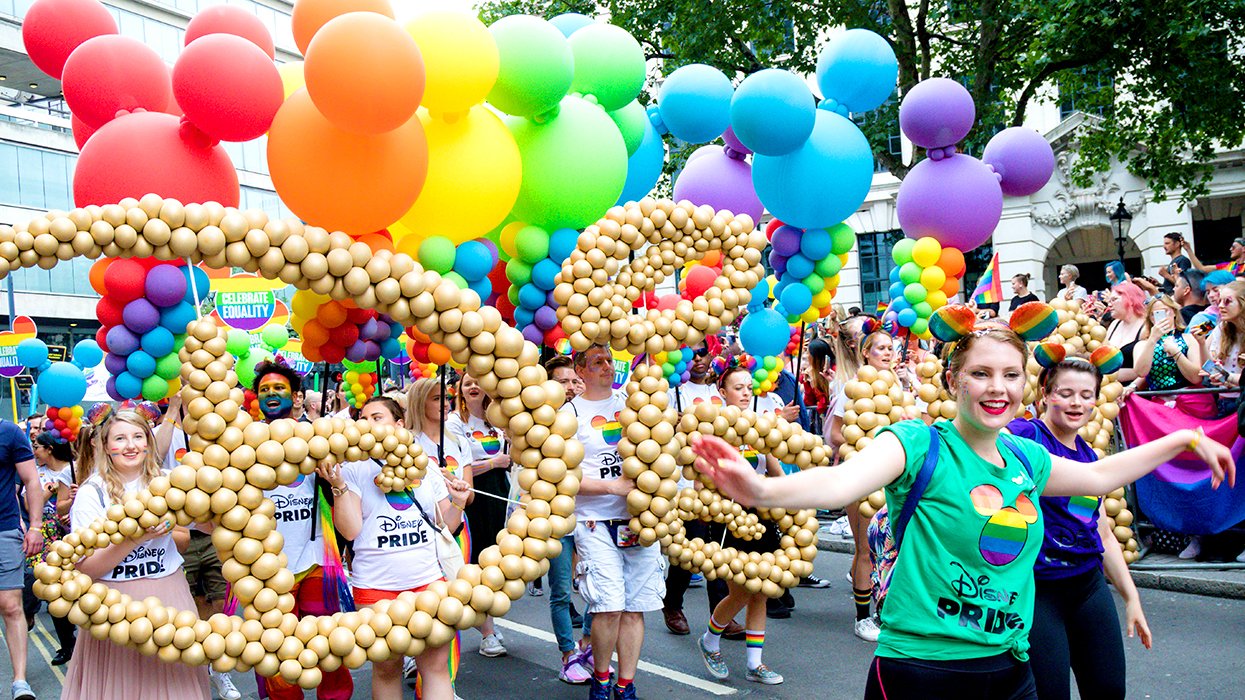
1090,248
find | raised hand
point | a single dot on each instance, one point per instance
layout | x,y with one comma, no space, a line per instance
1219,459
719,461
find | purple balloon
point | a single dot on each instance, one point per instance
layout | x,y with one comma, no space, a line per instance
111,387
733,142
140,316
956,200
1022,158
115,364
368,330
703,151
546,318
357,351
383,332
720,181
371,350
533,335
778,262
937,113
786,240
492,247
550,301
165,285
121,342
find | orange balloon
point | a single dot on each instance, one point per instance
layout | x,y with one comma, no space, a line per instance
331,315
713,258
314,335
438,353
364,73
310,15
419,335
96,276
357,183
377,242
952,262
409,244
951,287
312,352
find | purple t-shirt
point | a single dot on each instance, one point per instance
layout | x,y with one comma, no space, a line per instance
1070,545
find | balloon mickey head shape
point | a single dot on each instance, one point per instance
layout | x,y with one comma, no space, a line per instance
953,197
60,384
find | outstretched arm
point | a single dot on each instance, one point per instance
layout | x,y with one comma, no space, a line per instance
1117,571
1069,478
874,467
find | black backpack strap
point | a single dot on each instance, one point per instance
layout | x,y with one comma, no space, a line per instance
918,488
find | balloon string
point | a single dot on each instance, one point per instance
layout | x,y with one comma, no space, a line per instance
194,289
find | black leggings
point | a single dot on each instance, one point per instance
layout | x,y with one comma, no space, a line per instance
1075,627
999,677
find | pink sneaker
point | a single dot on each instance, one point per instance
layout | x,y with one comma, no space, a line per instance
574,671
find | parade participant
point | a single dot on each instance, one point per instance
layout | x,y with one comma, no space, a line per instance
125,462
619,578
1168,359
489,465
394,547
17,468
960,607
1127,304
1227,342
1114,273
1071,291
309,538
54,459
1074,620
1177,263
736,388
1236,258
703,380
1020,292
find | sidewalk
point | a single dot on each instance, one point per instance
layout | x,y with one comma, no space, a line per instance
1217,583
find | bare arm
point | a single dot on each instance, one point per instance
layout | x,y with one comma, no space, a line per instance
452,506
347,507
1069,478
181,538
1190,363
1117,571
65,494
29,475
483,466
608,487
1197,264
164,431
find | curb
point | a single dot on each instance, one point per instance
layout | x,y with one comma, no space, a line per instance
1175,581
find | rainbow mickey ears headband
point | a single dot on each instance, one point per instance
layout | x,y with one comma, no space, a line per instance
1108,359
1032,321
101,412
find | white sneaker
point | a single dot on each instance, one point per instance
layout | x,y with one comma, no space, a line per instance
224,686
1191,551
492,647
866,629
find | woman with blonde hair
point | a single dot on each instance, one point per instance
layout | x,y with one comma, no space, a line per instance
1169,359
1226,343
125,462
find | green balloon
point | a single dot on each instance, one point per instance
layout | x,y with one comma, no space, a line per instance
238,343
536,66
923,309
828,266
532,242
457,279
760,375
574,166
436,253
155,388
815,283
518,272
169,366
363,367
631,121
609,64
920,325
909,273
246,367
275,337
901,253
770,363
842,239
914,293
513,294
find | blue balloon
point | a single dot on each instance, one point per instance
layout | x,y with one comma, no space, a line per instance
797,299
906,317
482,287
815,244
176,318
128,386
799,267
87,353
473,260
200,285
773,112
140,364
523,317
570,22
898,303
764,332
62,385
32,352
157,342
563,241
822,182
894,275
643,169
531,297
390,348
694,103
545,274
896,290
783,282
858,70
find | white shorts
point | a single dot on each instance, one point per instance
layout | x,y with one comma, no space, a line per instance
617,579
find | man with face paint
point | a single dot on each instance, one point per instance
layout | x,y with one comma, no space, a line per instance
278,389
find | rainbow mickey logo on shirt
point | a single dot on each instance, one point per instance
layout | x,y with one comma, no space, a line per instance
489,441
753,457
1007,530
713,400
1083,508
400,500
611,430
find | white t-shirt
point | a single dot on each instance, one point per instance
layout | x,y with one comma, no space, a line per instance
770,403
457,453
296,506
396,549
48,475
599,431
151,559
691,394
177,448
1232,362
484,440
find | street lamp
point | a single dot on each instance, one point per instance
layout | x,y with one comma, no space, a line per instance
1122,220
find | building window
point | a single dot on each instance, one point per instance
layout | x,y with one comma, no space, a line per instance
1088,90
875,267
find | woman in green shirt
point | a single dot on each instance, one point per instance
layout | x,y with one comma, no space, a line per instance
957,619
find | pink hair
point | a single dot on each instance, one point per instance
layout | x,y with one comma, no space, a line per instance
1131,296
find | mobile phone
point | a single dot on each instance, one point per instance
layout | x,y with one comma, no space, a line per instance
1162,314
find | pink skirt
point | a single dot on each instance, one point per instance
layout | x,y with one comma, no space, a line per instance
102,670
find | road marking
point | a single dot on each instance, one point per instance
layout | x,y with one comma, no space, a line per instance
646,666
43,642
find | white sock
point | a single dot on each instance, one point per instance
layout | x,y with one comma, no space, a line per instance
755,645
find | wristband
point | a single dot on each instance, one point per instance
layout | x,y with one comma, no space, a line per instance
460,508
1197,437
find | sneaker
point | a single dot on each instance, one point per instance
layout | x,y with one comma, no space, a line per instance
22,691
224,686
839,528
574,672
713,661
625,693
762,674
600,691
1194,549
410,671
867,629
696,581
812,581
492,647
535,591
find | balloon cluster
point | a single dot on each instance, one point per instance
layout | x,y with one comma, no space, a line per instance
952,197
144,309
535,258
63,423
875,399
358,384
675,365
807,263
764,371
925,276
423,370
333,330
238,344
424,351
61,385
1120,520
468,264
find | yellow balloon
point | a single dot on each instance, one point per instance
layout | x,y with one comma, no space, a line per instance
461,61
933,277
507,236
936,299
474,172
926,251
291,77
773,282
822,299
810,315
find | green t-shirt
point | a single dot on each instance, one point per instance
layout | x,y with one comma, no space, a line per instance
962,587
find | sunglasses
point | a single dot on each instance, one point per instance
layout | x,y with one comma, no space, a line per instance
702,351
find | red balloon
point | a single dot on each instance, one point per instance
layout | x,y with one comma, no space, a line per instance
52,29
145,153
359,316
670,301
111,73
124,280
108,311
101,335
229,19
227,87
698,280
344,335
82,131
333,353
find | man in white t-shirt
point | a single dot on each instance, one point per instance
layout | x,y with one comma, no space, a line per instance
618,578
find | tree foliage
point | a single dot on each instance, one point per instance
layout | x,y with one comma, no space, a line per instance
1165,79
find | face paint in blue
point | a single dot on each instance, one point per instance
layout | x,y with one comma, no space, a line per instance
275,397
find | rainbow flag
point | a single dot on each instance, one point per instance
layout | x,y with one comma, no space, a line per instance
989,289
882,307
